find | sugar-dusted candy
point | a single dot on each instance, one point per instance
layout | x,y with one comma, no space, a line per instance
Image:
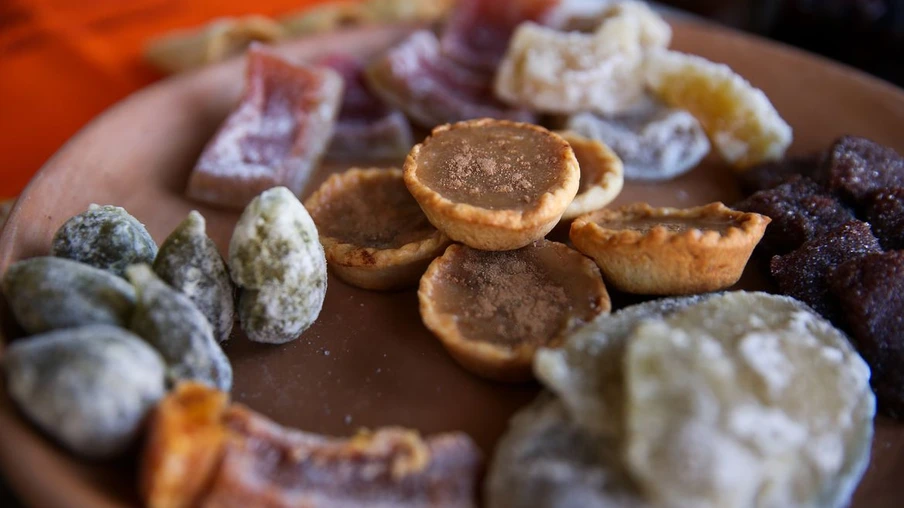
275,136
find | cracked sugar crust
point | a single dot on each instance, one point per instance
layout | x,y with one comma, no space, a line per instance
800,210
857,167
804,273
747,399
654,142
884,209
871,294
742,124
544,459
568,72
586,372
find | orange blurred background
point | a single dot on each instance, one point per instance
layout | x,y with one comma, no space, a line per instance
64,61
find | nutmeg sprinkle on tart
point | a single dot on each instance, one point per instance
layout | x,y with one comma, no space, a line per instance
493,184
493,310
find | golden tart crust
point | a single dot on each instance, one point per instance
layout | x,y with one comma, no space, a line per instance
493,310
669,251
373,232
493,184
602,175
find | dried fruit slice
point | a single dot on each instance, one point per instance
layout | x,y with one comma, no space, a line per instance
275,136
743,125
569,72
388,467
546,460
654,142
746,399
871,292
587,373
602,176
184,446
366,128
203,452
432,89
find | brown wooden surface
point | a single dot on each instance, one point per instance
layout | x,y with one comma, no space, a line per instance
369,361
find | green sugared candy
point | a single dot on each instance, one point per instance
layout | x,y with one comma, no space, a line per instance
105,237
171,323
189,261
89,387
48,293
276,258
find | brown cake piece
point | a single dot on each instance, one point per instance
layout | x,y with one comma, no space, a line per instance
772,174
800,211
274,137
884,210
871,295
857,167
804,273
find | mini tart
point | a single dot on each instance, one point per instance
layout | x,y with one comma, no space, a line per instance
602,175
373,232
493,184
669,251
493,310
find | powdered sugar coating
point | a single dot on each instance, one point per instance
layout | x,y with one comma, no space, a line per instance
653,141
90,388
190,262
105,237
727,411
170,322
275,256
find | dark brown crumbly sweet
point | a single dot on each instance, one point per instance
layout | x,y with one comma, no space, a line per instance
800,212
857,166
772,174
871,295
804,273
884,209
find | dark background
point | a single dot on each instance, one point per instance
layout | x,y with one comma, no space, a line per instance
868,34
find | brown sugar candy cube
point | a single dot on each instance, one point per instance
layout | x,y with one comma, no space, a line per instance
800,211
871,294
274,137
884,210
857,166
772,174
804,273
